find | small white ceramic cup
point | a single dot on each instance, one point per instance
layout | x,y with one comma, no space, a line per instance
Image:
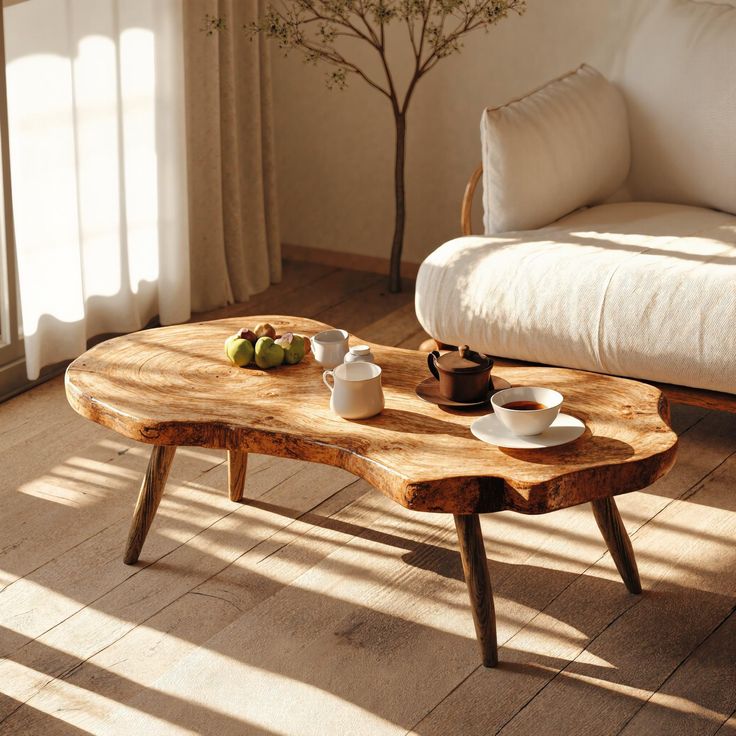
357,392
526,422
330,347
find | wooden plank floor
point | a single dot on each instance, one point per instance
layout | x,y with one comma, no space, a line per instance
320,607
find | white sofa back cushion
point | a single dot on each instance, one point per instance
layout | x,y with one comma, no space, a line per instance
679,80
561,147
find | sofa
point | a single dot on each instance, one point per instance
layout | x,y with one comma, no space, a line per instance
609,216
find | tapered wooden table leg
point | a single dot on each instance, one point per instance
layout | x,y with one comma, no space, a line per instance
618,542
475,567
237,463
148,500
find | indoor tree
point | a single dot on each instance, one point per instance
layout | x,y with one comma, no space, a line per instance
326,31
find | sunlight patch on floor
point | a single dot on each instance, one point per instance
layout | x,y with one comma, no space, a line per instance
542,630
49,489
75,705
255,697
672,702
30,621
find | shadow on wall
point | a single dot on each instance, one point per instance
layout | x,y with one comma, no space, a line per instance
95,97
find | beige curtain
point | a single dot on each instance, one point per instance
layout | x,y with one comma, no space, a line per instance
233,219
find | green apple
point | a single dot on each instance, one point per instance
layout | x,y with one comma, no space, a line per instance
294,347
239,351
268,353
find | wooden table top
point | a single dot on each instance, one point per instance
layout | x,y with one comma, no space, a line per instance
174,386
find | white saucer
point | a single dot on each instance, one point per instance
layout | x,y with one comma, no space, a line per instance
564,429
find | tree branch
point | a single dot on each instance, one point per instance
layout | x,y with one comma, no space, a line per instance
336,20
335,58
410,28
314,25
425,20
472,18
363,15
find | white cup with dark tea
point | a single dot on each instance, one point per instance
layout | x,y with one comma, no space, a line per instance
526,410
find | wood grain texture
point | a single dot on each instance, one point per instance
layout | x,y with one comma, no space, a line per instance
694,681
478,580
555,594
617,540
466,208
152,489
698,397
237,464
174,386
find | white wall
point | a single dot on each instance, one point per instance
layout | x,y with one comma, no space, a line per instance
335,148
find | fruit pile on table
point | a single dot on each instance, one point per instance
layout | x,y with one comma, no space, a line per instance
265,348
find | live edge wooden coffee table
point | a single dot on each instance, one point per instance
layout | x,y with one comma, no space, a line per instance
173,386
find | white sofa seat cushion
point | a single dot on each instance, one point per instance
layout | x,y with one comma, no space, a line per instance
635,289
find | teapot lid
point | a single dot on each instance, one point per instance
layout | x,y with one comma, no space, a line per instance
464,360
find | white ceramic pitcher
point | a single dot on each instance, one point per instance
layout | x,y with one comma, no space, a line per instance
356,390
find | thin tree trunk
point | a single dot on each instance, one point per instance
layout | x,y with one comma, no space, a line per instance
399,189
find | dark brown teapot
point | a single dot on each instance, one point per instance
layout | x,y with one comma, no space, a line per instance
464,375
